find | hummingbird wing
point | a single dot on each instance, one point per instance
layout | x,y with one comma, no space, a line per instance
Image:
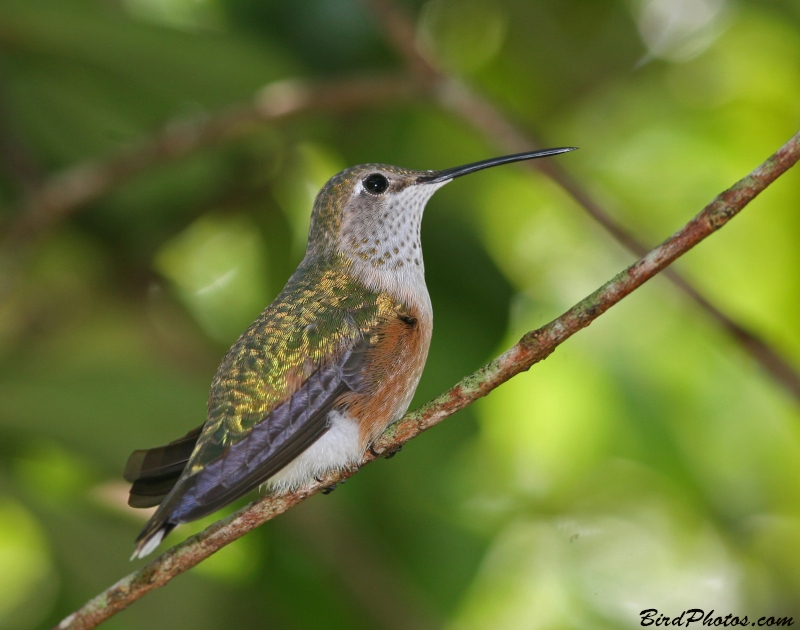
154,472
272,394
271,444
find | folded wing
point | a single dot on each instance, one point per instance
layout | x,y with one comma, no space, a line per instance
288,430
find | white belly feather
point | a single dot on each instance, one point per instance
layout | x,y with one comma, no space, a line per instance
338,448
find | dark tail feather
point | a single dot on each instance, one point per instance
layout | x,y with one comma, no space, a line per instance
147,493
153,472
162,461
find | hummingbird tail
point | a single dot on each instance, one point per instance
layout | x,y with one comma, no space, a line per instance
154,472
150,538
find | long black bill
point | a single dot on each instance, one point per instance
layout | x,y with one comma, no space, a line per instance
436,177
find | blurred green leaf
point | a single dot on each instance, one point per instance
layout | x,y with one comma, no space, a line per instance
218,265
52,473
465,35
28,578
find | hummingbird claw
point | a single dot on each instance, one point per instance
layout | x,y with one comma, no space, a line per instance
391,453
330,488
387,454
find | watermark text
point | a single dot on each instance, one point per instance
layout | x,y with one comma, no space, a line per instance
697,617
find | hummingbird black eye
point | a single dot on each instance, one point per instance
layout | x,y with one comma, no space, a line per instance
376,184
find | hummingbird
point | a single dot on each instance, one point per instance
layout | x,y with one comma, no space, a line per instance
326,367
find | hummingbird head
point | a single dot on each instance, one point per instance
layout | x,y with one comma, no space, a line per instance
371,215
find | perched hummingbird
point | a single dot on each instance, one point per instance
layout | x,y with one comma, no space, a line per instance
322,372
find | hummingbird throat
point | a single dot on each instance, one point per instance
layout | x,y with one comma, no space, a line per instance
381,238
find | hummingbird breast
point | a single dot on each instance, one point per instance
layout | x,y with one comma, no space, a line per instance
381,246
388,378
388,372
325,312
391,372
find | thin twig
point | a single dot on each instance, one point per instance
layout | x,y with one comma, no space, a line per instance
532,348
486,118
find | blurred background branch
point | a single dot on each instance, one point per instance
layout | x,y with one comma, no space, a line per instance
68,191
535,346
15,157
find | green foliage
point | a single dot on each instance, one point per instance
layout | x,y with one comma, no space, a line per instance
649,463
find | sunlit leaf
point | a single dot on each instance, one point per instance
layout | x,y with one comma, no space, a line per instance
218,265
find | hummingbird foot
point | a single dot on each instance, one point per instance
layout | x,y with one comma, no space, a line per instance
330,488
387,454
391,453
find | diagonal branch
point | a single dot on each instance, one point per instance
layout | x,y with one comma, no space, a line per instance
484,117
532,348
487,119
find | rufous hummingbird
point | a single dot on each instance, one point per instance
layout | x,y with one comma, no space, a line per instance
322,372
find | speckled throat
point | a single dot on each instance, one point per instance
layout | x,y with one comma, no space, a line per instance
375,236
381,239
